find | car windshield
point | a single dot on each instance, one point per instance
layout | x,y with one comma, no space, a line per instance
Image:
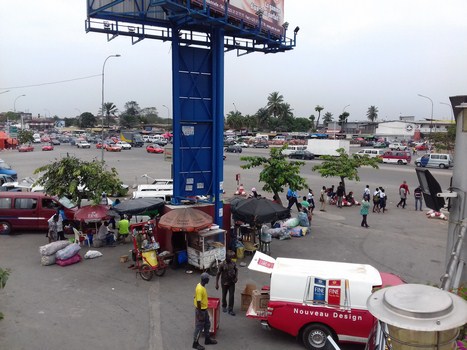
4,165
67,203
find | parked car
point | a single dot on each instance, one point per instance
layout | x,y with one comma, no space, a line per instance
379,145
371,152
154,149
397,147
421,147
242,144
229,142
55,142
261,145
301,154
6,169
124,145
366,143
48,148
83,144
112,147
25,148
435,160
234,149
397,157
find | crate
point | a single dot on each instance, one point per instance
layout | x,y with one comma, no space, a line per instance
246,296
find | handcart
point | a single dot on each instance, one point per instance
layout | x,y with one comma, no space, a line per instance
206,249
147,260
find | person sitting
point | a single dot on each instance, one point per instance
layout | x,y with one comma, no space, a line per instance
123,227
104,236
240,190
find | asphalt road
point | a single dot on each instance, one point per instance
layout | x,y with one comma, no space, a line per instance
101,304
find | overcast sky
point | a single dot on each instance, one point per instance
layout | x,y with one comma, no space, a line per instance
358,53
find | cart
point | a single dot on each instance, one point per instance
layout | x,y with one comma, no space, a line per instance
147,261
206,249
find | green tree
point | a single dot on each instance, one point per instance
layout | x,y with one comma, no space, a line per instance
262,117
318,109
327,118
78,179
343,118
312,121
286,117
110,111
344,166
130,117
301,124
4,274
150,115
25,136
87,120
372,113
444,140
277,171
274,105
235,120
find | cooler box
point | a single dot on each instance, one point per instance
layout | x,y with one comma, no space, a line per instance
214,314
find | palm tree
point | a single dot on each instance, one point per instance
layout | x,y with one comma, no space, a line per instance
312,120
327,118
274,105
343,118
318,109
372,113
109,110
286,117
262,117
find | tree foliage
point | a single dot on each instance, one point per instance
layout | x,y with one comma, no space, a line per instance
372,113
78,179
25,136
318,109
327,118
4,274
444,140
343,118
344,166
87,120
277,172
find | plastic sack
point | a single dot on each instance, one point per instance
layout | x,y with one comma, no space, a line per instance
296,231
70,261
52,248
91,254
47,260
292,222
277,232
303,219
68,251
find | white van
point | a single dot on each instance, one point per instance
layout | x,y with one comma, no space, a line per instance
292,148
435,160
164,195
371,152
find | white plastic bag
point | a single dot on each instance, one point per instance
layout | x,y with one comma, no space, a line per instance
91,254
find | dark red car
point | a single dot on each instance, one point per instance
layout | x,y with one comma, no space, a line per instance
154,149
25,148
48,148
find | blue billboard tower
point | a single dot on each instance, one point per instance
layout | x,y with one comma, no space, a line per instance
200,31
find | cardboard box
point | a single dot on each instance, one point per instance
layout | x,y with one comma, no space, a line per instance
246,296
260,299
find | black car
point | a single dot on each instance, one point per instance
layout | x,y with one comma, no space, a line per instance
234,149
261,145
55,142
301,155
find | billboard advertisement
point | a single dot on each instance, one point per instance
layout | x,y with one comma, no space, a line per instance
246,11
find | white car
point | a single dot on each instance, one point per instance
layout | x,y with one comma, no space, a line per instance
123,144
397,147
83,144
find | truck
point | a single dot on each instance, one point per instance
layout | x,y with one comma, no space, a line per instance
326,147
132,137
312,299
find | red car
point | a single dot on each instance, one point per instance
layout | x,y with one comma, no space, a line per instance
154,149
422,147
112,148
25,148
48,148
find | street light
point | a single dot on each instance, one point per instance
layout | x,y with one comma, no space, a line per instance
102,111
234,107
168,116
431,118
14,104
450,108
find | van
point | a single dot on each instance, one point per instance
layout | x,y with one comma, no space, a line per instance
397,157
6,170
435,160
293,148
30,211
371,152
312,299
164,194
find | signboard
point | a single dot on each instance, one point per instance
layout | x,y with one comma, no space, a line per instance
13,132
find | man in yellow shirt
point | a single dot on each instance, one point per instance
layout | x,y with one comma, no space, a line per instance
202,321
123,227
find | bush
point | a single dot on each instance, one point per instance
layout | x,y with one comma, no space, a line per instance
3,278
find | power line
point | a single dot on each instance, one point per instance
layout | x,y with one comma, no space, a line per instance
51,83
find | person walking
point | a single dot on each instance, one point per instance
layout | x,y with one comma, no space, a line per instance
403,192
365,207
417,193
382,199
311,200
53,230
228,274
292,197
322,198
367,193
340,194
376,199
202,322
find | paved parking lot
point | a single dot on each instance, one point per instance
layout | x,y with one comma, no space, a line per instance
101,304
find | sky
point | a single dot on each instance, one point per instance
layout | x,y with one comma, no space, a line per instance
350,55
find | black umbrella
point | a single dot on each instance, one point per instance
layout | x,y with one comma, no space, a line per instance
139,206
256,211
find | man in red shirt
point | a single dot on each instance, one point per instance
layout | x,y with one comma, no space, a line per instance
403,192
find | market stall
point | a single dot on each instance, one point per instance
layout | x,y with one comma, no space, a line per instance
206,249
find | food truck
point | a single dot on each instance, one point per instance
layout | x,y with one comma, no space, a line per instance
313,299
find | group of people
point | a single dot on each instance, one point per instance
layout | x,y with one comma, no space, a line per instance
306,205
106,236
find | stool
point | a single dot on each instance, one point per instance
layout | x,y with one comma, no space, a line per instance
265,247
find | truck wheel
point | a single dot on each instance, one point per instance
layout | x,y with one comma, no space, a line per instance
5,228
314,337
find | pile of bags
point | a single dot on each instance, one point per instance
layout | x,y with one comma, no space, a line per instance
62,253
293,227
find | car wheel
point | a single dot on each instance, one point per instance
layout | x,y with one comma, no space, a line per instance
315,337
418,164
442,166
400,162
5,228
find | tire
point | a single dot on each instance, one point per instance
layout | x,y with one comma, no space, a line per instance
146,272
160,271
314,337
418,164
400,162
212,270
442,166
5,228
